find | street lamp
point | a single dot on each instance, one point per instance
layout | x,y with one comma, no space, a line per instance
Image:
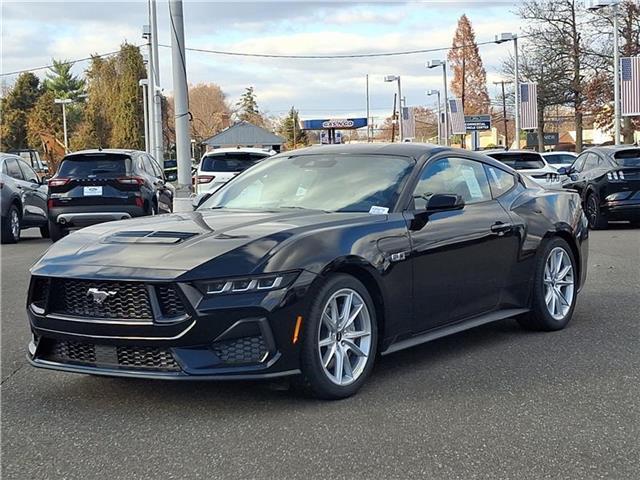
443,64
144,83
64,102
594,6
437,92
512,37
396,78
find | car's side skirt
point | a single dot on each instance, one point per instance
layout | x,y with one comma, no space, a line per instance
454,328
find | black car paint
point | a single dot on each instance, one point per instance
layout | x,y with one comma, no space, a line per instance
26,191
116,197
388,253
594,181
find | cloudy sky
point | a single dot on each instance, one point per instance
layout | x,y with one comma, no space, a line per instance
34,33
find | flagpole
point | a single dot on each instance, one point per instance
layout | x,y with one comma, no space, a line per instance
616,75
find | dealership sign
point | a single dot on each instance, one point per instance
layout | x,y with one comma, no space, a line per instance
338,123
477,123
550,138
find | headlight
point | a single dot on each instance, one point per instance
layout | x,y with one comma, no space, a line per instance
258,283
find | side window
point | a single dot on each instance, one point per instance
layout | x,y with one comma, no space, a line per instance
28,173
453,175
578,165
4,168
13,169
156,168
499,180
591,162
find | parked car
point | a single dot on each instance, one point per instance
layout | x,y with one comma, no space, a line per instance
23,198
94,186
309,265
559,159
531,164
219,166
608,180
32,157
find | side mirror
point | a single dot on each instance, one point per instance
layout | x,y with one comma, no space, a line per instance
440,202
564,170
199,199
44,179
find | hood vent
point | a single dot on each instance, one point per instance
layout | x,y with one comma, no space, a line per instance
149,237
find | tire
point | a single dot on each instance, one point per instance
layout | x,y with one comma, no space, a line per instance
333,382
56,231
597,220
549,310
11,225
44,231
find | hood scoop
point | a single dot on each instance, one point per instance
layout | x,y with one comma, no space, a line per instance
149,237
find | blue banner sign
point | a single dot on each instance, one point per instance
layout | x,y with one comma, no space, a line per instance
338,123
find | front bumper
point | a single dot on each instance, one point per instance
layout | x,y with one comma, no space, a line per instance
237,336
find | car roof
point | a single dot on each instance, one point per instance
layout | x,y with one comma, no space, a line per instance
236,149
611,150
121,151
545,154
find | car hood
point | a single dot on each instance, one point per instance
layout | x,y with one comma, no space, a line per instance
168,246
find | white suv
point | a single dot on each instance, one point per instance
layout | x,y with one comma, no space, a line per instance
219,166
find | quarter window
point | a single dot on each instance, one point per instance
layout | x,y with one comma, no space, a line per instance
452,176
13,169
499,180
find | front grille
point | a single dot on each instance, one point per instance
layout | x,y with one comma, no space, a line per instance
123,300
241,350
147,358
170,303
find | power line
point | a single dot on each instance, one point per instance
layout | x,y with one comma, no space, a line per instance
44,67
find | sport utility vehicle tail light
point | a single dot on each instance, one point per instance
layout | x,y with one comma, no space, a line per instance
204,178
130,180
58,182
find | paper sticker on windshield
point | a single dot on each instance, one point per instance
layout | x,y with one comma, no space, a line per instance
375,210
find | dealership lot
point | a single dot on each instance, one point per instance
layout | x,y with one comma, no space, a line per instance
493,402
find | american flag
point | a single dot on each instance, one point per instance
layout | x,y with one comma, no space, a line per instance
528,106
408,122
456,117
630,86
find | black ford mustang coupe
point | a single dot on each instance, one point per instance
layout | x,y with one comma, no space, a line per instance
311,264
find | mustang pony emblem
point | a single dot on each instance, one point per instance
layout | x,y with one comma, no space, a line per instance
99,296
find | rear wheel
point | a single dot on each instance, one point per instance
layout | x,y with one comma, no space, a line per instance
555,288
339,343
56,231
594,214
44,231
11,225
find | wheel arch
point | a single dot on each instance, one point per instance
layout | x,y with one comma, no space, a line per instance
366,274
573,245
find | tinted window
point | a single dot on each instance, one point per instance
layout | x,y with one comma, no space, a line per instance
520,160
156,168
230,162
579,163
560,159
591,162
13,169
499,180
28,173
452,175
628,158
4,168
340,183
98,165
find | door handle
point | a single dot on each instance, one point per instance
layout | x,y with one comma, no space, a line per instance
501,228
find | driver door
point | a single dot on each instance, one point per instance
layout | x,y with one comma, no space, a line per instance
460,257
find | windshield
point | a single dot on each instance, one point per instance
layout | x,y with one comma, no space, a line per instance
338,183
560,159
99,165
628,158
520,161
230,162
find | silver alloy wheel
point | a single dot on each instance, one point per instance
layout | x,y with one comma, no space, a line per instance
344,337
15,224
558,283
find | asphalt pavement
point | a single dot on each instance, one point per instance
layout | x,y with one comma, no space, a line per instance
495,402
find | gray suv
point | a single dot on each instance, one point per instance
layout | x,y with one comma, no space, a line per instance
24,198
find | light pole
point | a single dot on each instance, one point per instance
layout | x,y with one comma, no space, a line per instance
443,64
504,112
437,92
145,105
396,78
597,5
512,37
64,102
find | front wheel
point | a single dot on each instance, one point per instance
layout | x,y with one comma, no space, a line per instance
555,288
340,338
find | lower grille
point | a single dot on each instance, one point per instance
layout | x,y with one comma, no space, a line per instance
147,358
241,350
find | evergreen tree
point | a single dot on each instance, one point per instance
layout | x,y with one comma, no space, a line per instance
248,108
469,77
290,130
62,82
15,108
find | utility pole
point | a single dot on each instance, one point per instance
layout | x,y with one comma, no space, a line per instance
437,92
517,84
181,99
393,122
368,126
64,102
156,122
616,74
145,105
504,112
148,59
